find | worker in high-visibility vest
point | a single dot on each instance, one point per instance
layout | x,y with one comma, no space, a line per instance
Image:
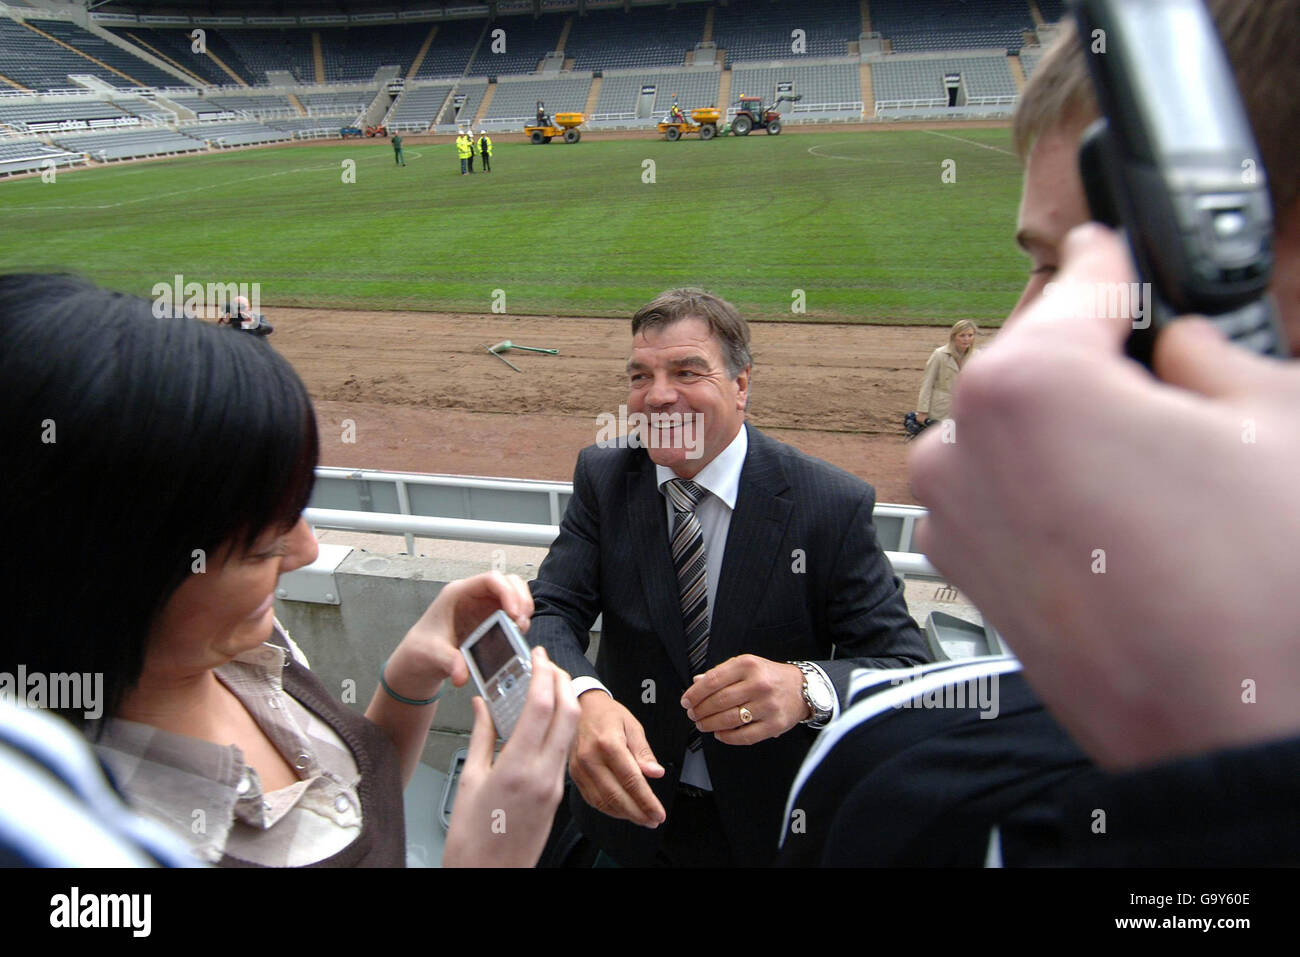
465,149
485,150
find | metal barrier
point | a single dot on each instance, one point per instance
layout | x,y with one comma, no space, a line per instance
507,511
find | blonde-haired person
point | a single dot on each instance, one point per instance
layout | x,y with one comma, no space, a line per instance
941,372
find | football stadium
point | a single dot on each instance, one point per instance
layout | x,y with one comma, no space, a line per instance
444,215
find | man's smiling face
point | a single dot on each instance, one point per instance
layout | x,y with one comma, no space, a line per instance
678,368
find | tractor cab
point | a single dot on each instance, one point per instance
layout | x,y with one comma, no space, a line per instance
752,105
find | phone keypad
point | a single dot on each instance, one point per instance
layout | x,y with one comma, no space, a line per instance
506,696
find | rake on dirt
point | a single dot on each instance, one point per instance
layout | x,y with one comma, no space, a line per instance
506,344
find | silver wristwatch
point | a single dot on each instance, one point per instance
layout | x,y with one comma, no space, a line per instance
817,694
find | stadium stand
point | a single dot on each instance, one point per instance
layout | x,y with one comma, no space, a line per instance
40,64
29,156
357,52
336,104
302,125
224,135
140,106
1053,11
928,26
451,48
108,54
418,107
1029,57
517,99
633,47
84,114
198,105
214,104
762,31
252,103
526,42
473,93
916,81
218,47
648,37
115,146
262,50
620,92
176,47
826,88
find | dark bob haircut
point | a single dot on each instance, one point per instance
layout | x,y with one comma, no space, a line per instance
136,446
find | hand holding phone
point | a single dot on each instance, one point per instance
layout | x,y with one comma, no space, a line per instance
1174,162
501,664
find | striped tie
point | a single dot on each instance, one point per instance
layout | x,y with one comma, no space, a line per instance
691,565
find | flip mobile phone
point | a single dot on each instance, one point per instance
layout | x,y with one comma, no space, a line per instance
1174,162
501,663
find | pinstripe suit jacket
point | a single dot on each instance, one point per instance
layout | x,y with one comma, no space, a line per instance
803,578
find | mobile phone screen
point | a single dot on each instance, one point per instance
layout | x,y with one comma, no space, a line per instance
492,652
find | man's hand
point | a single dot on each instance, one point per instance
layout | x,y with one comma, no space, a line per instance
1130,537
772,691
504,812
611,761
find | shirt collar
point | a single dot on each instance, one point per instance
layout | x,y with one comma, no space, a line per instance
187,774
721,477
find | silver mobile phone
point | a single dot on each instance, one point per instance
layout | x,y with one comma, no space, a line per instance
502,665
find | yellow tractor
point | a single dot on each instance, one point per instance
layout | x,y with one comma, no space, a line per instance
563,124
703,120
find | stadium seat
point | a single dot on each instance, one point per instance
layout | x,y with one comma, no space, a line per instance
517,100
765,31
648,37
926,26
526,41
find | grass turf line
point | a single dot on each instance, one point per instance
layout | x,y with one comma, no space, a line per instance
863,223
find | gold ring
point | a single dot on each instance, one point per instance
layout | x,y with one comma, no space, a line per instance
746,715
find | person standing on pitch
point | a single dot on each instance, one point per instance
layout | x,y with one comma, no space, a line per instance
398,158
469,145
485,150
465,149
941,372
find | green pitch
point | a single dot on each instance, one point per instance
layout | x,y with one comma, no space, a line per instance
863,223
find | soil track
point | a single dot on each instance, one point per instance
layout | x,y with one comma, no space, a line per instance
425,396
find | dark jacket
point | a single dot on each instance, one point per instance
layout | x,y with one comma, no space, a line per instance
612,558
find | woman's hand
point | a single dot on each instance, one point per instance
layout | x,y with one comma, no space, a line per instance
503,812
430,651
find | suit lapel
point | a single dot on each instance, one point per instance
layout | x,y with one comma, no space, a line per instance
758,525
648,523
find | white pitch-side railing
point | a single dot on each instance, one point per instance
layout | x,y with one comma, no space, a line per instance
908,564
895,524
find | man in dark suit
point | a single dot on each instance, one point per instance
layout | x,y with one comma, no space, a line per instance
730,570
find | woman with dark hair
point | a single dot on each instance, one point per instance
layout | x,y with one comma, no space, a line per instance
159,472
